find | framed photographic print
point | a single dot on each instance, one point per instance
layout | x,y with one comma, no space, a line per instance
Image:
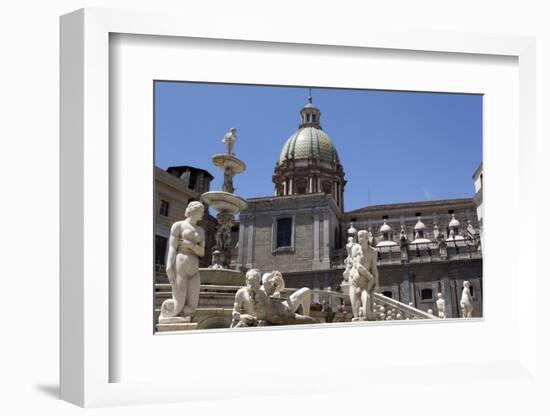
228,199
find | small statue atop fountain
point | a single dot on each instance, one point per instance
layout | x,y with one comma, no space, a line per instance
440,303
225,202
466,301
363,278
229,140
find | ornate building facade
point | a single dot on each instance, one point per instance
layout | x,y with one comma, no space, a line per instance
424,248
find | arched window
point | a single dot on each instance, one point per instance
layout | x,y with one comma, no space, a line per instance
427,294
327,188
301,186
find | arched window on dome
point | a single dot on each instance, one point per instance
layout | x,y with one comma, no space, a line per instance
327,187
301,186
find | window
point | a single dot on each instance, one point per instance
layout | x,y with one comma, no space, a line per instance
420,233
386,236
284,232
192,180
164,207
160,249
387,294
301,185
327,187
426,294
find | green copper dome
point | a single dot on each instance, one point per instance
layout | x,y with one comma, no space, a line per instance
309,142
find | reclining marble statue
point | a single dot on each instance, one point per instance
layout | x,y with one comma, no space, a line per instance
363,278
259,304
186,245
299,301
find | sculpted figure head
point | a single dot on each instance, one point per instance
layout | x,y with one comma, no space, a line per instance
273,282
253,279
363,237
466,284
194,210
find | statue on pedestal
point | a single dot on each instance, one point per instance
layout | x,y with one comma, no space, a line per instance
229,140
348,263
363,278
440,303
466,301
182,266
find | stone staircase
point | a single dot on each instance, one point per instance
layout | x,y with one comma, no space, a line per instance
216,306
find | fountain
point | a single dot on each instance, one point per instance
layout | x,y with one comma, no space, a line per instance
227,204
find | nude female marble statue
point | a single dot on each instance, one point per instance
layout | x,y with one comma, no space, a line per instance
182,266
363,278
466,301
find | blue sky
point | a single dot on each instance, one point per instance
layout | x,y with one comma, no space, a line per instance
394,146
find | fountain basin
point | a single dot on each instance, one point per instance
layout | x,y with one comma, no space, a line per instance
222,277
228,161
224,201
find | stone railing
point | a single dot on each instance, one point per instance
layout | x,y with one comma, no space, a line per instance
390,309
420,252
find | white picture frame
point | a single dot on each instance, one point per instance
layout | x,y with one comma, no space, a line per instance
88,297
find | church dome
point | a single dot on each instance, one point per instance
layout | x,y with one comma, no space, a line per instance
308,162
309,142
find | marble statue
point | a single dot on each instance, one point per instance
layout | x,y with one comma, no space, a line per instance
244,311
223,240
182,266
440,303
437,233
348,263
363,278
403,235
229,140
273,283
466,301
260,304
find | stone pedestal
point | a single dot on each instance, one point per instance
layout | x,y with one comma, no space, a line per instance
176,326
